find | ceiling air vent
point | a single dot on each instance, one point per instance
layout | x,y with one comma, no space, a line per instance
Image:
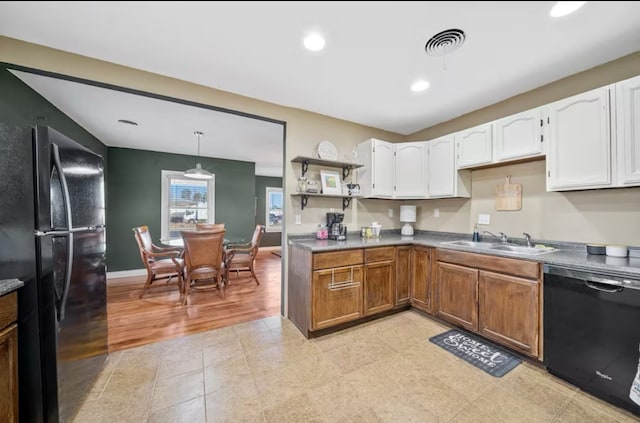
445,42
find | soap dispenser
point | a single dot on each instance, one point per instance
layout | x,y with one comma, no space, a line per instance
476,235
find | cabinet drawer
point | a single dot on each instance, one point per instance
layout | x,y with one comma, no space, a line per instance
8,309
379,254
516,267
337,259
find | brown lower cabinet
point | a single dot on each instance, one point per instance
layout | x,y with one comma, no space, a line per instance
336,296
421,278
379,279
403,275
458,295
494,296
8,359
509,311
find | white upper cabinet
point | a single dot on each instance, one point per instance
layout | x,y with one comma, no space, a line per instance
519,136
579,152
411,170
376,178
443,179
474,146
628,131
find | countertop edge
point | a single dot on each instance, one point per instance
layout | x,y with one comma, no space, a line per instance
569,254
7,286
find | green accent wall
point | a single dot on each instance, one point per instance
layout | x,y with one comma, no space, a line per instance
134,186
269,239
21,105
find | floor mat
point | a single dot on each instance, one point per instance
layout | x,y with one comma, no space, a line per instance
477,351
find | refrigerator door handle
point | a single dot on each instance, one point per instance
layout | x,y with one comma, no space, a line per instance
70,231
55,153
60,309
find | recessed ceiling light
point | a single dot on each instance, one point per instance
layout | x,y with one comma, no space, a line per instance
128,122
314,42
564,8
419,86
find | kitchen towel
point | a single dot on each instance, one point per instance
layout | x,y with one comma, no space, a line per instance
477,351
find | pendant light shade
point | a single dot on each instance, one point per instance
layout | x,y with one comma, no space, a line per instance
198,172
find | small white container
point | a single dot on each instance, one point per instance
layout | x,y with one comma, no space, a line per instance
616,251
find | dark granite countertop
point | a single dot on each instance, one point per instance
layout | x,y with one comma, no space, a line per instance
7,286
573,255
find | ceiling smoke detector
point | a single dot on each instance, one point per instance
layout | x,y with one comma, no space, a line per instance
445,42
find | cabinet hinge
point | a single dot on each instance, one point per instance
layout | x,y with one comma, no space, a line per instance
394,154
541,138
374,186
547,121
548,174
394,187
541,122
374,149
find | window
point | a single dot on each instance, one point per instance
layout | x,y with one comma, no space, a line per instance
185,202
274,210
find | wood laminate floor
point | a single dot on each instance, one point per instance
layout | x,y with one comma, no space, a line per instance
159,316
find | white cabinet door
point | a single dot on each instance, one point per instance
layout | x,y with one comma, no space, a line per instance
441,167
411,170
376,177
628,131
519,136
474,146
579,155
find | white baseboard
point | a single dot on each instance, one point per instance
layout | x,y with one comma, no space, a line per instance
126,273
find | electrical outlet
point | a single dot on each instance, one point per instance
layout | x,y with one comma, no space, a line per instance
390,212
298,219
436,212
484,219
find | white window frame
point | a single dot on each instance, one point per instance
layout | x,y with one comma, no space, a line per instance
266,211
166,176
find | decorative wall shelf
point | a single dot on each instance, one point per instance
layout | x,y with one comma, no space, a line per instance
345,166
346,171
304,198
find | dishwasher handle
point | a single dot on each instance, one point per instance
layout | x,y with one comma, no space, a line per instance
604,287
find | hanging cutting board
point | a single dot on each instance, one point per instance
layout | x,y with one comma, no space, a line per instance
508,195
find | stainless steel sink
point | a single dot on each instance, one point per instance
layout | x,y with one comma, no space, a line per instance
520,249
470,244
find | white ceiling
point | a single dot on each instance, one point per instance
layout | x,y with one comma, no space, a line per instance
164,125
374,51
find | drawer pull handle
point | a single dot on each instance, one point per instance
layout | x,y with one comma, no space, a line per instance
335,286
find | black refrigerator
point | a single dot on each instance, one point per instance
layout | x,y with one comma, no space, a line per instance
52,237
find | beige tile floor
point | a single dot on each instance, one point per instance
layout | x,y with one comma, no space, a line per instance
383,371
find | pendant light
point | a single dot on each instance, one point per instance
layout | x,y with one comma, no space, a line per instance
198,172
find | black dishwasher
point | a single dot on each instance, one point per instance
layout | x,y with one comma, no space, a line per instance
592,333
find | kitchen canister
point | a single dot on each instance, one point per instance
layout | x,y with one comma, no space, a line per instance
616,251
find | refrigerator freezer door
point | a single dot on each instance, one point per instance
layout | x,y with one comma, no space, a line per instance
83,173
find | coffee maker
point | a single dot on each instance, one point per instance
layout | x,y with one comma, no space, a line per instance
337,230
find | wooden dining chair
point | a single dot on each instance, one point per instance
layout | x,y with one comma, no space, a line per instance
160,262
203,260
243,256
209,226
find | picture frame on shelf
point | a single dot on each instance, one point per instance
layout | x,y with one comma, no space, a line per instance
330,182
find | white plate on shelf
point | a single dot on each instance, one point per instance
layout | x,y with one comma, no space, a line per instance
327,151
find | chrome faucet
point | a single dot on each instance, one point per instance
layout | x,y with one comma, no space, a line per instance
527,237
503,237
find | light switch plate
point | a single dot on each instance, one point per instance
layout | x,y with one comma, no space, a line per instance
484,219
436,212
390,212
298,219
